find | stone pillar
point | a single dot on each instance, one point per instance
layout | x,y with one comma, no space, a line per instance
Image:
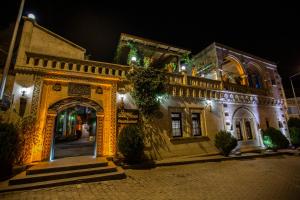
99,134
65,123
48,136
184,73
113,136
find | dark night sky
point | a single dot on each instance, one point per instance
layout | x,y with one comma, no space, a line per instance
269,30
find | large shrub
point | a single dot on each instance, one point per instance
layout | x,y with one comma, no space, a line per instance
131,143
294,122
274,139
9,148
295,136
225,142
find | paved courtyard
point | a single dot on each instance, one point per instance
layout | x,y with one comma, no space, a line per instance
263,178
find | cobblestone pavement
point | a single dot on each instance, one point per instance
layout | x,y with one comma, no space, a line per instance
263,178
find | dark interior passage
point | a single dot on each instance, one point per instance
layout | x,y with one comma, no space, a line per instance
75,131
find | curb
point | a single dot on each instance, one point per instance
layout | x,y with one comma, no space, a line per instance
219,159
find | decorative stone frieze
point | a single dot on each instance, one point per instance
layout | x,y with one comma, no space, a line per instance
75,89
36,94
113,135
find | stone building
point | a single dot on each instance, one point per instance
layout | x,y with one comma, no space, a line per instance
225,89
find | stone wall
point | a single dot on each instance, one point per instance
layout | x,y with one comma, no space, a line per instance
40,40
215,115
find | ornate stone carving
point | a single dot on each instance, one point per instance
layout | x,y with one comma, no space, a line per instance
56,87
48,135
36,94
60,105
75,89
99,137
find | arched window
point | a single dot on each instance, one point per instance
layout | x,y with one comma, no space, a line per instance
254,77
233,72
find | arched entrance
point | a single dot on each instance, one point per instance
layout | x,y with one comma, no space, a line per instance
245,126
73,107
74,132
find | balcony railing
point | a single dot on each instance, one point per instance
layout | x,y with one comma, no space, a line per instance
198,82
244,89
194,81
46,62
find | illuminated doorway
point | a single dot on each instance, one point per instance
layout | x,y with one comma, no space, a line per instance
74,132
245,127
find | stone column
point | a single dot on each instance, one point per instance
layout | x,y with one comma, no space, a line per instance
184,80
65,123
48,136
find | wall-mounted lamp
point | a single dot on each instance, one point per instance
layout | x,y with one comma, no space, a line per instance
208,105
183,67
122,93
23,103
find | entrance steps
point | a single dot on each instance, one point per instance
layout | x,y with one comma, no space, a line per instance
65,171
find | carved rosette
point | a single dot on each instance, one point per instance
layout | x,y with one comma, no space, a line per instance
50,121
56,87
36,95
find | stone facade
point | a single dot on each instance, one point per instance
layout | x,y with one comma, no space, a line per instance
53,75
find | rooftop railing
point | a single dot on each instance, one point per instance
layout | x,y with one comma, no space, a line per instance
46,62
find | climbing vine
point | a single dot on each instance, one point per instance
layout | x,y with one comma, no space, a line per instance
187,60
148,84
134,55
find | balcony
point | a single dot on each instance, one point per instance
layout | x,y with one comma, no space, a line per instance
213,85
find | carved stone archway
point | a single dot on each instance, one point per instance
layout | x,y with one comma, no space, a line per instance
245,125
63,104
